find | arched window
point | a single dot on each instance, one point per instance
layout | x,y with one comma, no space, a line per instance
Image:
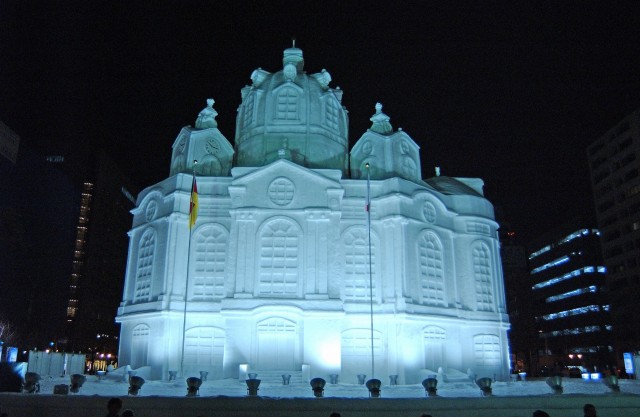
139,346
144,273
209,248
247,113
487,349
356,270
482,276
287,104
332,113
431,270
279,263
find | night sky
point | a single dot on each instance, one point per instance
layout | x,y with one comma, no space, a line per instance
511,94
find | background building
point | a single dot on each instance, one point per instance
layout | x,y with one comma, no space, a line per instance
570,302
523,335
615,176
99,257
276,273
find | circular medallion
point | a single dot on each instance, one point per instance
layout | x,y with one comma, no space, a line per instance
429,212
150,212
404,147
212,147
281,191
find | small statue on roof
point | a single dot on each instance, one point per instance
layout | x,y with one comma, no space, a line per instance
207,117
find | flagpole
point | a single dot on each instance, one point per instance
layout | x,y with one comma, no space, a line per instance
186,285
370,267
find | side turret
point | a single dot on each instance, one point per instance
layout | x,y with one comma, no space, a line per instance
388,153
204,143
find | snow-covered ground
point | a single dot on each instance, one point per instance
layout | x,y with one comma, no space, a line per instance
227,398
233,388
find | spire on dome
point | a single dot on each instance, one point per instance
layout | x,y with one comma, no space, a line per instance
381,121
207,117
293,56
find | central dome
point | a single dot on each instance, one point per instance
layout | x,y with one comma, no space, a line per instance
292,115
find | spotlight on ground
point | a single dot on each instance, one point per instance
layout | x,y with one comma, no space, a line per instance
193,386
485,386
31,383
252,386
430,386
76,382
373,385
611,381
135,383
555,382
317,385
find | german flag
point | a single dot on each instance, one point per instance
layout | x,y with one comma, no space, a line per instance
193,205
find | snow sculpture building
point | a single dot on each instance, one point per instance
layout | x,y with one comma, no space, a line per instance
275,274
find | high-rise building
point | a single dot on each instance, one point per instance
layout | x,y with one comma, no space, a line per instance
515,267
570,302
99,257
614,160
283,272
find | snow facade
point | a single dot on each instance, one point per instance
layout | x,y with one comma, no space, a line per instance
281,270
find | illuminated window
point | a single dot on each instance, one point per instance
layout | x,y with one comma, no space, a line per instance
287,104
574,312
208,260
540,252
569,275
574,331
279,241
431,271
487,350
144,273
568,238
551,264
482,276
356,271
574,293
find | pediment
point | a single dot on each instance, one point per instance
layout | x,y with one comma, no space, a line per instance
283,167
284,185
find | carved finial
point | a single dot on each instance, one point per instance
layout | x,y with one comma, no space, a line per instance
378,108
210,102
437,171
293,42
